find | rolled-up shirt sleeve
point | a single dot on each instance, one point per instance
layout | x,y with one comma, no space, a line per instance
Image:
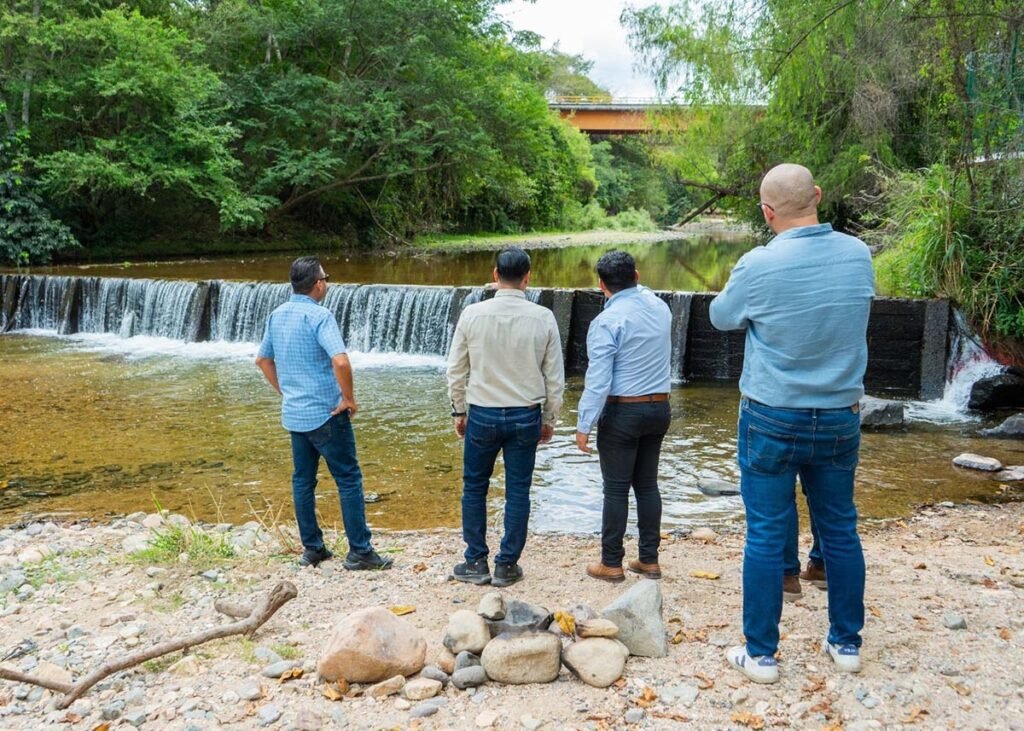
554,375
458,368
267,345
729,309
601,349
328,334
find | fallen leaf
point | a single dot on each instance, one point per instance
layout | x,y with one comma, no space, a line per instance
335,691
70,717
672,716
875,612
666,537
814,685
401,609
419,568
705,683
1005,634
989,561
620,683
566,621
704,575
960,689
915,715
690,635
646,698
746,718
675,620
921,566
102,727
989,583
290,674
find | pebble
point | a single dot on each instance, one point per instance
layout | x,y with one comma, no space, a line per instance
250,692
634,715
530,723
268,714
422,710
469,677
685,694
277,669
952,620
739,696
402,704
466,659
112,711
435,673
211,575
870,702
486,719
136,718
308,720
704,534
266,655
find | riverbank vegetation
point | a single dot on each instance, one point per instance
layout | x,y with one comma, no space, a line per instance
362,121
911,115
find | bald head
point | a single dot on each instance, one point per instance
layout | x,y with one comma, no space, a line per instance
790,191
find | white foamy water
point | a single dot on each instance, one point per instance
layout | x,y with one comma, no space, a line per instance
148,346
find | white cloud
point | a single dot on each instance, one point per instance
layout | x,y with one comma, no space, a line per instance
590,28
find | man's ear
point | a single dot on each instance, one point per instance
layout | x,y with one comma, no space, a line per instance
496,278
817,195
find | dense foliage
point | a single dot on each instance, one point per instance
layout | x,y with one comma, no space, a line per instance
910,114
363,120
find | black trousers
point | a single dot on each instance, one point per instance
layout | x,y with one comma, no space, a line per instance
629,438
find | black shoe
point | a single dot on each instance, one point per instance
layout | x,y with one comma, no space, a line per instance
473,572
367,561
311,557
506,574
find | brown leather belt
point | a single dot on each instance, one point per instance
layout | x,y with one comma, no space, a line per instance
646,398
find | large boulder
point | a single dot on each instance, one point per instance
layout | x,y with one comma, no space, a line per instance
1004,391
372,645
1012,428
517,658
879,413
637,614
597,661
520,617
466,632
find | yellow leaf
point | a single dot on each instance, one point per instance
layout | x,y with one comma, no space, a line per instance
289,674
746,718
102,727
1005,634
402,609
646,698
704,575
336,691
875,612
566,622
419,568
989,561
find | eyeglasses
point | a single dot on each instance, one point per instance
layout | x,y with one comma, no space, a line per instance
324,278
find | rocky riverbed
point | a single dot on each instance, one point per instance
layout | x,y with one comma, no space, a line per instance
944,641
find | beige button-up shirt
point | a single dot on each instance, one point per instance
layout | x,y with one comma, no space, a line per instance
506,352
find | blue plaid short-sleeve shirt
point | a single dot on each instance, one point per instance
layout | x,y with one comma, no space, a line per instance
302,337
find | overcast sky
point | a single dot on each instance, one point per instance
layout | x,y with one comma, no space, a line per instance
590,28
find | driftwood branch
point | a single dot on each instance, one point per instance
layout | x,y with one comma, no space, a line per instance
264,610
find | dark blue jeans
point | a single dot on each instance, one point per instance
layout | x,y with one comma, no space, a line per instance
821,446
792,555
336,443
514,432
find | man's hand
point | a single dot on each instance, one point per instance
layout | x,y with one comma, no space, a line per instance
460,426
583,442
546,432
346,404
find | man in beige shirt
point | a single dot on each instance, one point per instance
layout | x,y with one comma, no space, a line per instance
505,380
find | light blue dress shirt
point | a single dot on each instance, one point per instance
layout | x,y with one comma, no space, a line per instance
629,349
804,300
302,337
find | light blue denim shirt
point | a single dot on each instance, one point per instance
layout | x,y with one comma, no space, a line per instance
302,337
629,348
804,300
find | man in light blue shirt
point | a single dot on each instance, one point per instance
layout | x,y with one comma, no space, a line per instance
804,301
303,357
626,394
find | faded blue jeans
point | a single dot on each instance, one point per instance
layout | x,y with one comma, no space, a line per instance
514,432
821,446
336,443
791,558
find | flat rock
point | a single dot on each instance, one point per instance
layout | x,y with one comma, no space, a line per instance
422,710
705,535
386,687
54,673
952,620
684,694
717,488
879,413
419,689
597,661
977,462
279,668
1012,473
466,632
268,714
637,614
521,617
1011,428
492,606
517,658
371,645
469,677
599,627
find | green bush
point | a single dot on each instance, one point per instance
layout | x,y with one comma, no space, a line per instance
633,219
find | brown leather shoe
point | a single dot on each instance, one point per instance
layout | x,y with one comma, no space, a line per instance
791,590
606,573
649,570
815,574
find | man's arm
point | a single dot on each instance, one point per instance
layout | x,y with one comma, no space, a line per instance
729,309
269,369
343,375
554,381
458,374
601,350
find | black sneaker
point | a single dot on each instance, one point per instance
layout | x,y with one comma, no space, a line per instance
506,574
371,561
311,557
473,572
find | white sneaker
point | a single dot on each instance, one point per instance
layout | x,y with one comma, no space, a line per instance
763,669
845,657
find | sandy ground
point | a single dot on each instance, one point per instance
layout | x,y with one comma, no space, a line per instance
87,602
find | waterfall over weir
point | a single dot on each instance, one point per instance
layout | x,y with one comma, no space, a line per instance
908,340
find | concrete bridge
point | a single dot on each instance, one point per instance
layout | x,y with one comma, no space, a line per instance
607,115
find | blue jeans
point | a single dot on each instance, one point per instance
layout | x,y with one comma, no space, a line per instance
336,443
514,432
820,445
791,560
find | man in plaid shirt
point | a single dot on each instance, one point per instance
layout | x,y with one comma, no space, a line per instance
303,357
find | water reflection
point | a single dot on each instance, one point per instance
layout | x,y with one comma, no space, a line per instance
96,425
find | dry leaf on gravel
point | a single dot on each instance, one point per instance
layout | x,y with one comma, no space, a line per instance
566,622
814,684
671,716
335,691
690,635
1005,634
875,612
748,719
915,715
705,683
989,561
70,717
960,688
921,566
419,568
401,609
646,698
290,674
704,575
102,727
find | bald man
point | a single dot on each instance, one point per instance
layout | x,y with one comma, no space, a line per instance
803,300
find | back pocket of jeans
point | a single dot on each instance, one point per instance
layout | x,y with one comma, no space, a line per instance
482,436
769,452
322,435
847,449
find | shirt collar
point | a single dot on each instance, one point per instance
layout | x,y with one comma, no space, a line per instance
510,293
801,231
622,294
302,298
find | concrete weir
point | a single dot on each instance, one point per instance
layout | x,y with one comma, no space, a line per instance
908,340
